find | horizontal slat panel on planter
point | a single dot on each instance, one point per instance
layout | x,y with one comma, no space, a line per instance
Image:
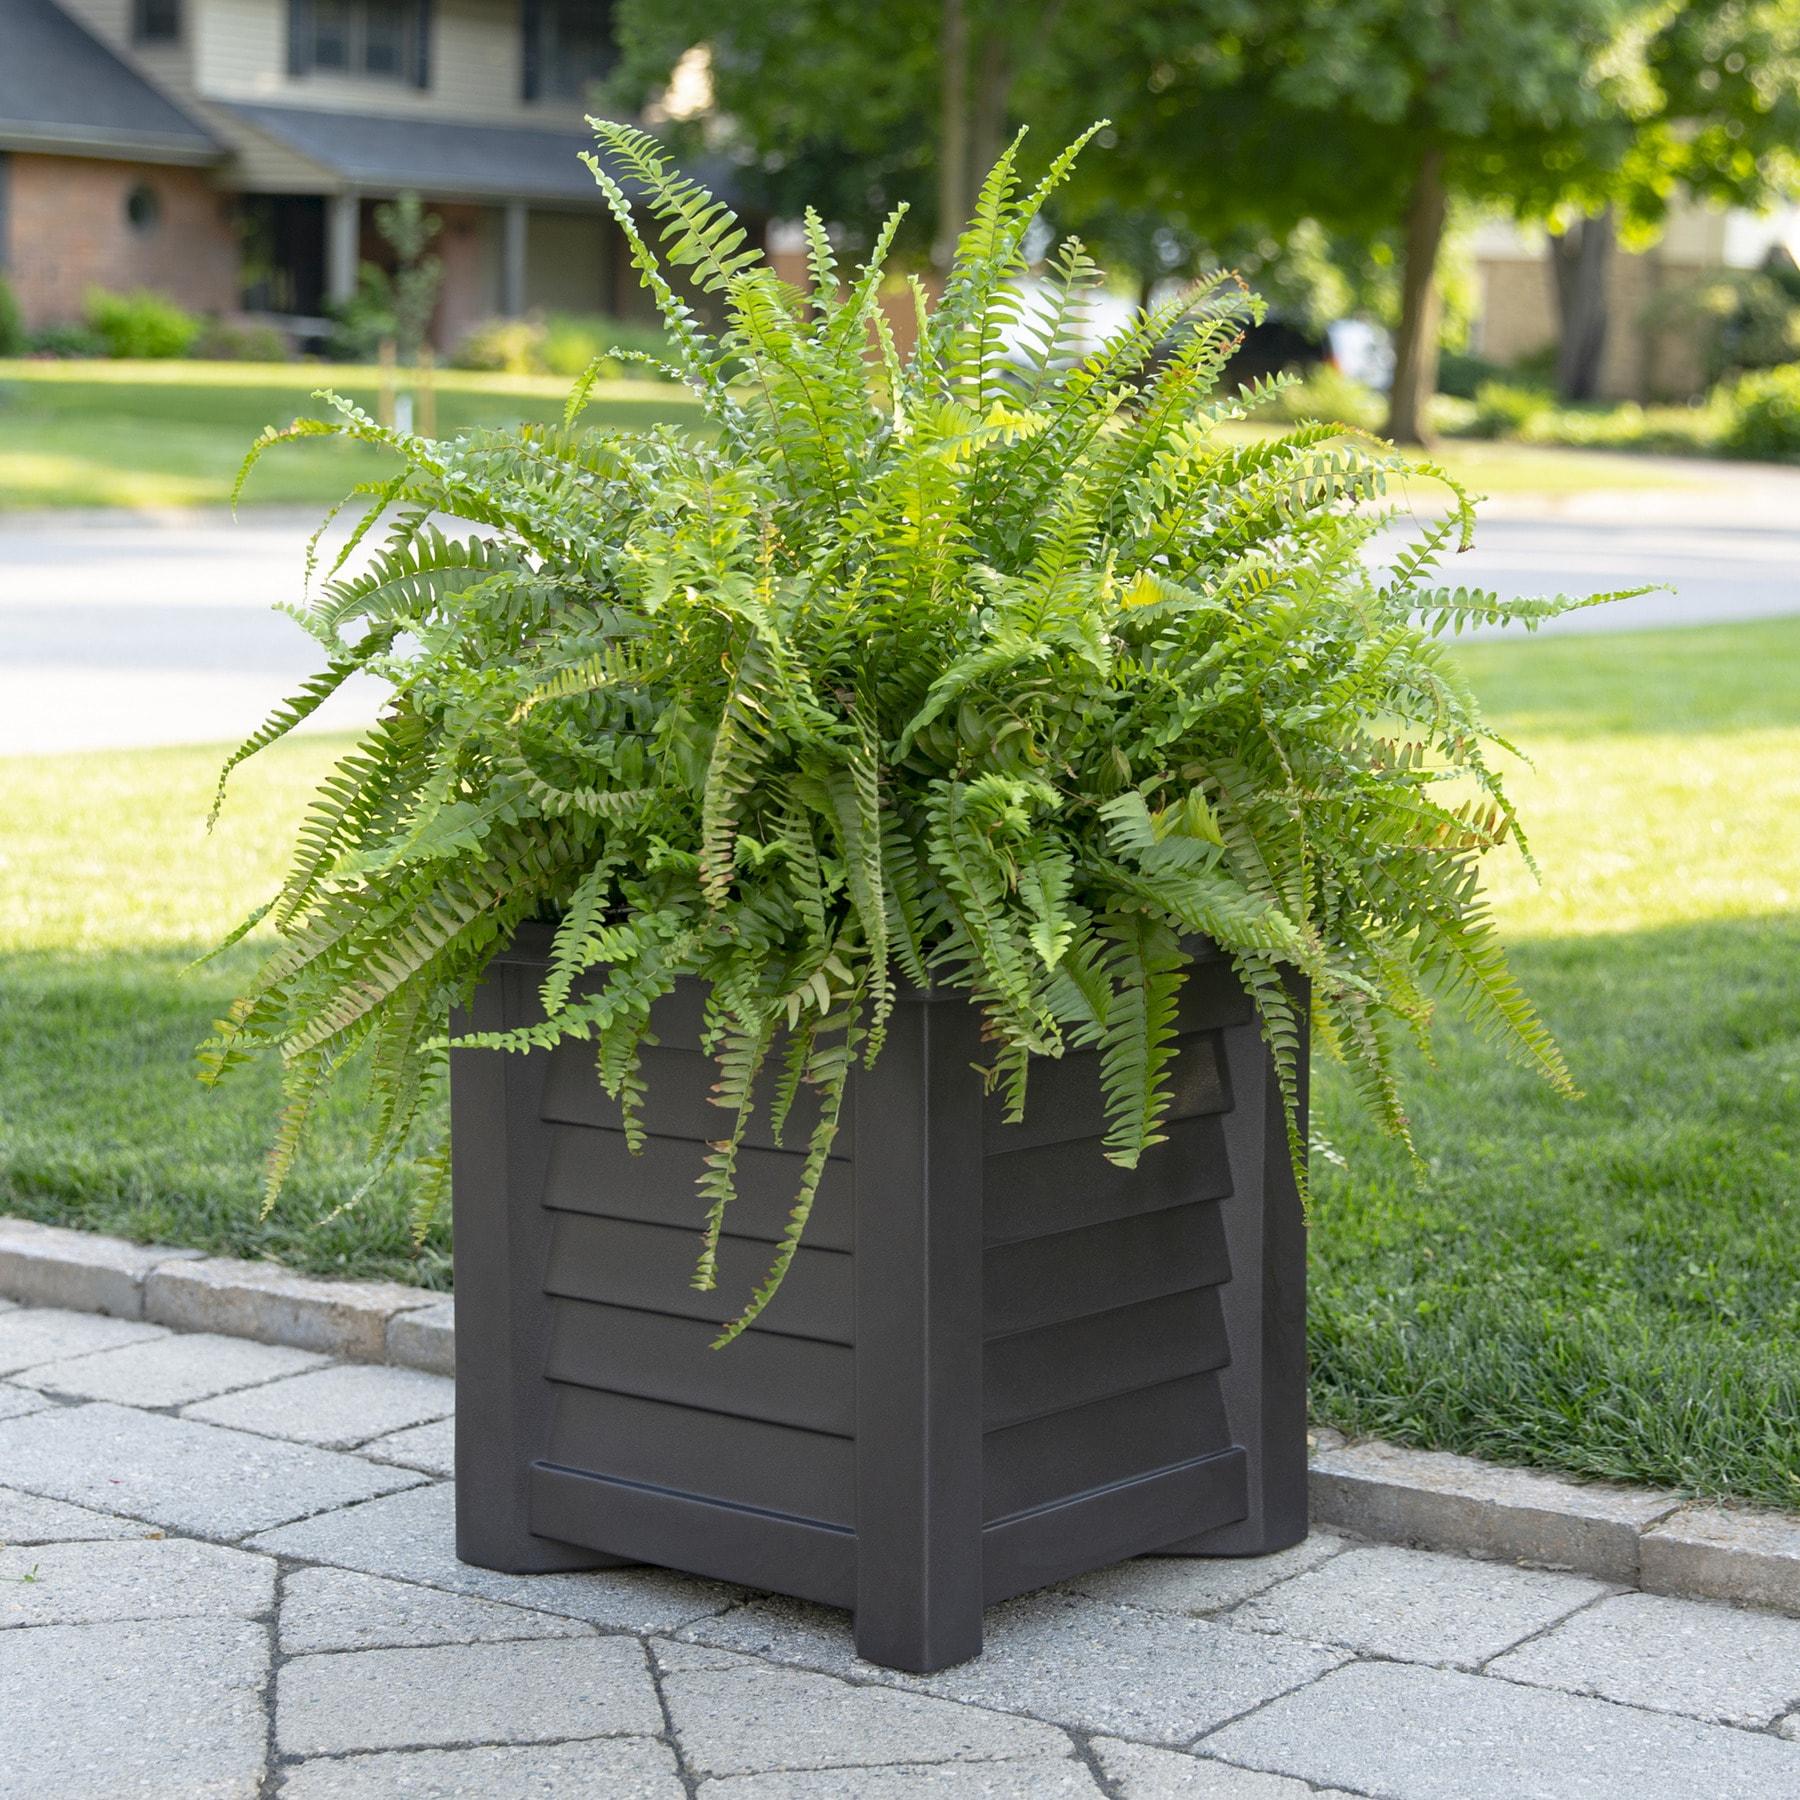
1041,1281
649,1266
678,1103
1060,1366
1032,1549
805,1557
1105,1442
714,1455
784,1380
592,1171
1061,1187
1064,1098
1212,996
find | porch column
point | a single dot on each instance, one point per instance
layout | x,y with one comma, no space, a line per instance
514,216
343,244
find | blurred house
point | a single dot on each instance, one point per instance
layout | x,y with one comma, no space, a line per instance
1651,353
229,153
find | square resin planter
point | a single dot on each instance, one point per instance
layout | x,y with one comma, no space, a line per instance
997,1361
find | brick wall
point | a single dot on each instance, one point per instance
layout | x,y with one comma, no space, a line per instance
67,231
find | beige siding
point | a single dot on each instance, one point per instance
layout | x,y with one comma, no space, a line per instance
241,54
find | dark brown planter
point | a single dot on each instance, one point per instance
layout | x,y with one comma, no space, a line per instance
998,1361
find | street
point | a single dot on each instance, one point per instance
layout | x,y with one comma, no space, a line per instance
118,631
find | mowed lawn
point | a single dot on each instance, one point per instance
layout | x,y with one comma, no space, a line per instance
1611,1287
173,434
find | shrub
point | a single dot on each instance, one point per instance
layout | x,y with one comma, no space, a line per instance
1763,414
222,340
567,344
921,668
1327,394
72,341
573,340
1502,409
1461,373
503,347
141,324
12,322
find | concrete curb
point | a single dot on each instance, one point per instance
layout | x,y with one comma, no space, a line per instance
1428,1499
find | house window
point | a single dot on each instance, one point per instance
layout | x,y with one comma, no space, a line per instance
143,211
379,40
569,45
156,21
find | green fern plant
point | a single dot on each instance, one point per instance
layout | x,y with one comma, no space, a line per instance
989,667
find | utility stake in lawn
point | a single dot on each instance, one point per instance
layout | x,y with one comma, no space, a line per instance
977,707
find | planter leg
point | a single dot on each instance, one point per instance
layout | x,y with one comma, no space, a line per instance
503,1404
918,1347
1264,1386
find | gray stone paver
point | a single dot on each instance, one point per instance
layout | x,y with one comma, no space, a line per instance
179,1473
465,1693
1418,1606
1038,1778
1435,1734
31,1519
31,1336
412,1538
601,1769
752,1719
171,1371
1202,1584
410,1674
1091,1667
15,1402
337,1609
1679,1656
156,1578
333,1408
1139,1772
152,1711
428,1448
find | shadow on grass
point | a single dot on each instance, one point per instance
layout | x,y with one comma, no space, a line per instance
1612,1286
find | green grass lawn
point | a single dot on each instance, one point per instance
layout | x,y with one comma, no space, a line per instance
1611,1287
172,434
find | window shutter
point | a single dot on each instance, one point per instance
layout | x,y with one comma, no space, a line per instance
300,34
422,51
531,43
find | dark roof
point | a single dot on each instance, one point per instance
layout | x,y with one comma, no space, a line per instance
440,158
61,89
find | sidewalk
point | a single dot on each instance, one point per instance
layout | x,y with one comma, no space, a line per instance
227,1570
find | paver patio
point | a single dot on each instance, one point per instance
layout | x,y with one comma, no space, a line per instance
228,1571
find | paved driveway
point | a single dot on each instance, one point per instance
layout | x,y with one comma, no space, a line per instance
116,631
228,1569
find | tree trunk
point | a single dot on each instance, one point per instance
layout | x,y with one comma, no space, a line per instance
987,113
1416,350
1579,259
953,130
